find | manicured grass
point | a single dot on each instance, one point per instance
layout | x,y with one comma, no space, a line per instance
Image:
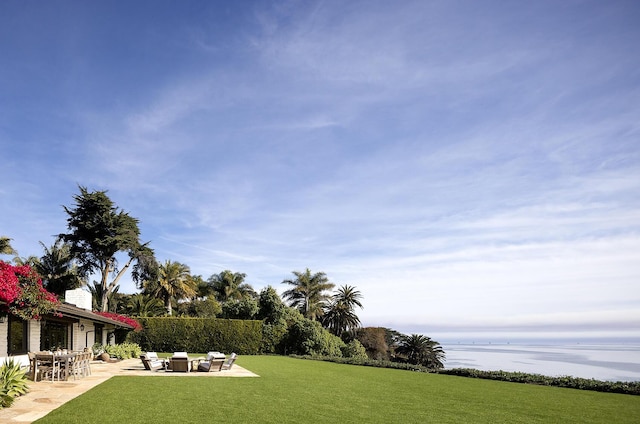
302,391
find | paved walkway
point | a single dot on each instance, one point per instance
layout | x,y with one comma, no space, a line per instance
45,396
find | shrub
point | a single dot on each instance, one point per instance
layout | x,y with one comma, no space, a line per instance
246,308
272,335
631,388
354,349
373,340
307,337
13,382
22,293
123,350
365,362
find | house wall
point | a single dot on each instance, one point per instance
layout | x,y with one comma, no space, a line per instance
4,340
83,338
33,340
79,338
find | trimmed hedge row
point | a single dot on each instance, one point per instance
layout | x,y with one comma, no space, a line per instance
365,362
629,388
171,334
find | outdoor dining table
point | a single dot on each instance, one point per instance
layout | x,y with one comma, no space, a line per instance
58,361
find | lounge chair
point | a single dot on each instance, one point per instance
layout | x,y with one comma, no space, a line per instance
151,362
229,362
214,362
216,355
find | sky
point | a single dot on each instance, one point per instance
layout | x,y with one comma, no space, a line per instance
471,167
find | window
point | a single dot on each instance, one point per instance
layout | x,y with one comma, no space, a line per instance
18,336
54,335
98,333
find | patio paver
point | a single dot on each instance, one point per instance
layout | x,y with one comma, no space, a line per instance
45,396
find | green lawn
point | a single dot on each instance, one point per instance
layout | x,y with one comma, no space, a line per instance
302,391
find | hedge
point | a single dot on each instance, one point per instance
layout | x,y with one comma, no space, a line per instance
625,387
170,334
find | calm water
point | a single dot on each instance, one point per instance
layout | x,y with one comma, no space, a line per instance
602,362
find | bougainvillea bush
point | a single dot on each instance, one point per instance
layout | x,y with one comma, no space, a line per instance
122,318
22,293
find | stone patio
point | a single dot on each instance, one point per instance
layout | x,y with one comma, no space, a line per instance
45,396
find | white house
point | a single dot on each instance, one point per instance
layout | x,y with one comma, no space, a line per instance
77,328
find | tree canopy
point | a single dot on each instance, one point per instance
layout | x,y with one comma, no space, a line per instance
229,285
57,269
173,282
5,246
98,230
340,316
421,350
309,293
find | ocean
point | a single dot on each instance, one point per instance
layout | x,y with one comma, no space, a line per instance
607,362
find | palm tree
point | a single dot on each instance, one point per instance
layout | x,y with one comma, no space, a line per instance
230,285
57,269
340,317
308,294
141,305
5,246
203,289
98,294
174,282
31,261
421,350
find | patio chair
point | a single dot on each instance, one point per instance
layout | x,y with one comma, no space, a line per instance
43,367
86,363
75,365
151,362
214,362
216,355
82,364
229,362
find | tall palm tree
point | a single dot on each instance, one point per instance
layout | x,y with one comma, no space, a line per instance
339,317
203,289
230,285
57,269
174,282
308,293
421,350
32,261
141,305
5,246
98,294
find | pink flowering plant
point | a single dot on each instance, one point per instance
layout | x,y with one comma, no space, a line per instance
122,318
22,293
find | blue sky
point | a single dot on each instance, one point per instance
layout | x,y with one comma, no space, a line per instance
469,166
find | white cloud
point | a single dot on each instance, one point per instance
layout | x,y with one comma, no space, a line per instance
461,167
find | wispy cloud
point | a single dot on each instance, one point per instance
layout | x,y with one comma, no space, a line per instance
464,167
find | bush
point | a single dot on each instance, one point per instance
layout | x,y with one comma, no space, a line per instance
307,337
354,349
365,362
13,382
123,350
373,340
246,308
631,388
272,335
